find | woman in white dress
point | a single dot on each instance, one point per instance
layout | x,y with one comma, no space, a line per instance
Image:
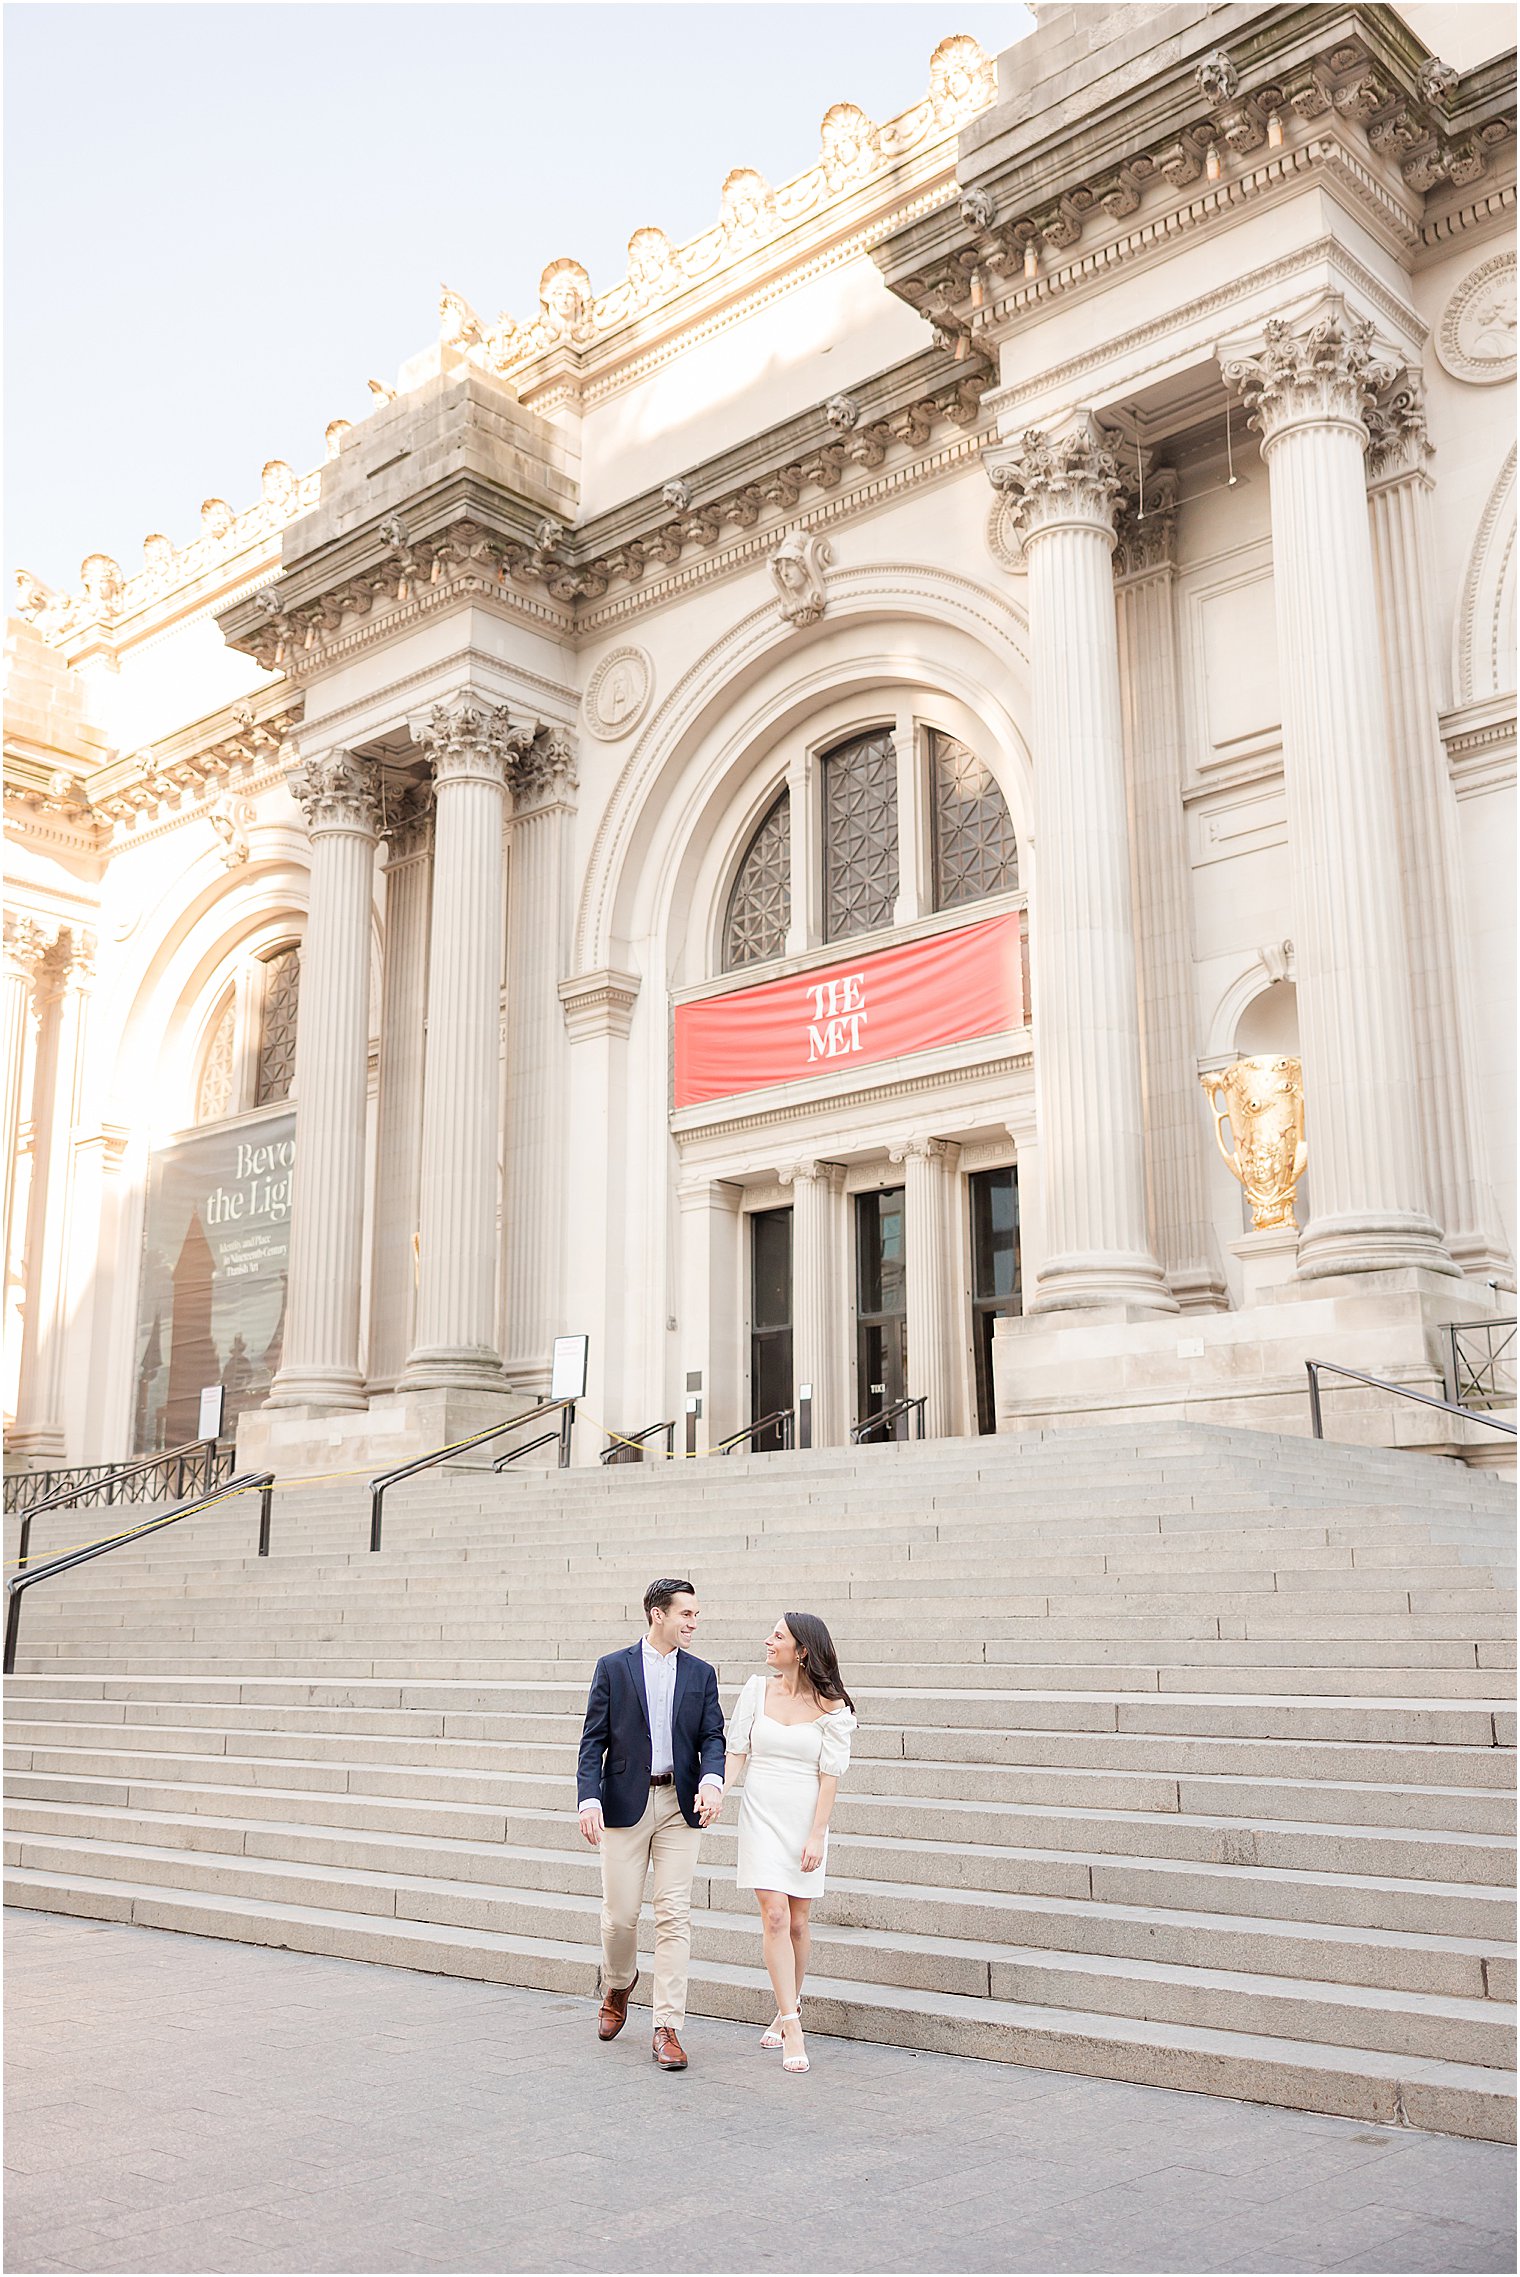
794,1725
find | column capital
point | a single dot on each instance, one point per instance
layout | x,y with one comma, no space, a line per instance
469,740
1324,370
50,958
409,834
544,773
337,792
810,1170
920,1148
1398,443
1147,543
1057,478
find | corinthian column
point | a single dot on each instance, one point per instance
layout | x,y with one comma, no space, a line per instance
929,1167
18,993
1450,1125
320,1368
1087,1040
817,1269
61,972
398,1146
539,888
1308,390
1144,575
471,746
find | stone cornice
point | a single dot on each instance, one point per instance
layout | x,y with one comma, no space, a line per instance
463,541
1353,78
690,1125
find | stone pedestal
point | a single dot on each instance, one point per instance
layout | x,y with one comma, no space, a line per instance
1268,1261
309,1442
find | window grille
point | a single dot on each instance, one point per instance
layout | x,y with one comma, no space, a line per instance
859,836
215,1098
975,852
760,906
277,1026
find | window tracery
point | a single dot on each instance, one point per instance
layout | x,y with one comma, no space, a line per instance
277,1027
218,1068
760,905
859,836
975,851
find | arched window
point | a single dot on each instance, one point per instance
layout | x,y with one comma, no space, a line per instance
859,836
249,1056
760,905
975,852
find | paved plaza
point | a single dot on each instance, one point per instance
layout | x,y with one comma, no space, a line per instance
180,2104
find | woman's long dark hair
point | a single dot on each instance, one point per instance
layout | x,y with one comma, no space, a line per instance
818,1662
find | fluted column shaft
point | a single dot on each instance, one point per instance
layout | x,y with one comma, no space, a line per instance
1308,390
1177,1205
816,1267
1087,1042
398,1149
471,748
18,991
1450,1124
928,1176
320,1368
539,889
61,971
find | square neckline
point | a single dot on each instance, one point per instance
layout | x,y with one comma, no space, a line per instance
806,1721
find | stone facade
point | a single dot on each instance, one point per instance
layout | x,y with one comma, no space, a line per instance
1086,498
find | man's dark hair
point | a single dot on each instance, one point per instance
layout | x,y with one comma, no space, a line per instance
659,1594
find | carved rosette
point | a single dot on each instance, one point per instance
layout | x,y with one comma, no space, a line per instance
1330,372
337,792
1057,482
471,742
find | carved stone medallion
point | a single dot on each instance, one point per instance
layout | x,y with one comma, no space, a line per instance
1003,540
1475,338
617,694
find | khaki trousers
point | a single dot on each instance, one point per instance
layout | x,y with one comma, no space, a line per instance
662,1839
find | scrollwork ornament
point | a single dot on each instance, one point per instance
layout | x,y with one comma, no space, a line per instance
1397,440
336,791
469,740
1332,369
1052,480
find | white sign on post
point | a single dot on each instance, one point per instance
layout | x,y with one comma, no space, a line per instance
568,1379
212,1397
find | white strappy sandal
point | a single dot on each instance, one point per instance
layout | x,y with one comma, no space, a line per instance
793,2063
770,2037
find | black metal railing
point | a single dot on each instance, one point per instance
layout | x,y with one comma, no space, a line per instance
628,1447
781,1418
379,1487
1318,1368
516,1454
1479,1363
260,1481
887,1417
191,1469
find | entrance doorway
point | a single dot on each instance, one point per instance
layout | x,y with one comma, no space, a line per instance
881,1305
770,1312
995,1279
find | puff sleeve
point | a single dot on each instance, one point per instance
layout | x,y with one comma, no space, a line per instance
834,1751
741,1722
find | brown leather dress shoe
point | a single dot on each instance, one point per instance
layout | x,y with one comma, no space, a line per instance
668,2051
613,2013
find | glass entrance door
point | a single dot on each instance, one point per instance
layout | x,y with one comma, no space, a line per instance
770,1313
995,1280
881,1305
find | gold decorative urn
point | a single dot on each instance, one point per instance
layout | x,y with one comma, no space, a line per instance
1263,1103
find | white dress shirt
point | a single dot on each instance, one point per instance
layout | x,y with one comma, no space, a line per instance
660,1692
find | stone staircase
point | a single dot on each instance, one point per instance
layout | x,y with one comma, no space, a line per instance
1185,1755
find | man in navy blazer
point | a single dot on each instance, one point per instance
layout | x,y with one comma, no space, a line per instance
651,1777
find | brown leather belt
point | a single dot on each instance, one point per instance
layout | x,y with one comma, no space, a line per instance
662,1779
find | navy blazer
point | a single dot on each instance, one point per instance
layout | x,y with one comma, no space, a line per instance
615,1758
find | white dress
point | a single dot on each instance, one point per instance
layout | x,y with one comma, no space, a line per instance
780,1796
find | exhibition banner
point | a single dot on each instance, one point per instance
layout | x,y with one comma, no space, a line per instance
211,1302
942,990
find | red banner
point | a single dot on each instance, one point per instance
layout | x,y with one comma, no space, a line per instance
853,1014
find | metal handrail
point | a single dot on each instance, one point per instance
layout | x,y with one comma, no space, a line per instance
262,1480
90,1478
1478,1377
890,1414
378,1487
515,1454
115,1474
779,1415
1317,1368
622,1439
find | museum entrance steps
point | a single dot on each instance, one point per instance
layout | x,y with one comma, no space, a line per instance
1185,1754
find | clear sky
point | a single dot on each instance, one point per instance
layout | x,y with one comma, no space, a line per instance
222,219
